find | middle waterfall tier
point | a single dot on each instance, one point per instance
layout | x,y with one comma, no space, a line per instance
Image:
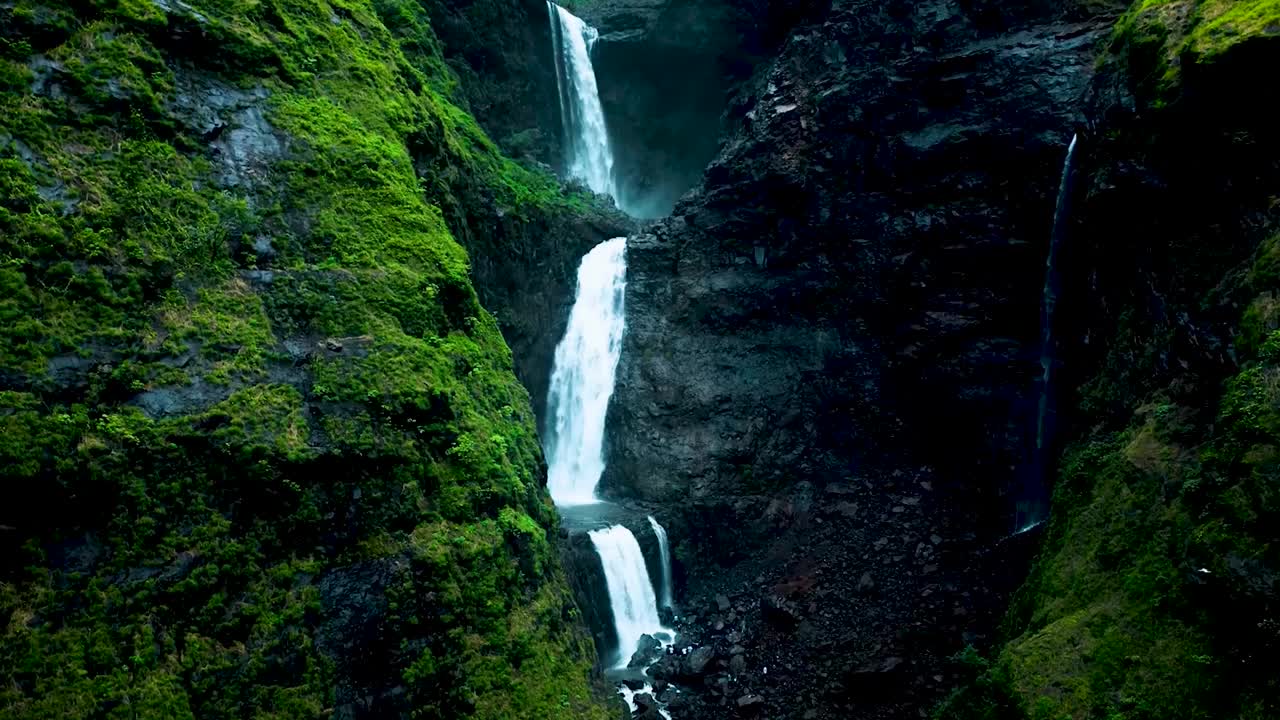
583,375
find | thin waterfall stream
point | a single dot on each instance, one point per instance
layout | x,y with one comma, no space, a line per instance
664,552
1033,501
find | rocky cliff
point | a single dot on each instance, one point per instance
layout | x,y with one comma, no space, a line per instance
829,382
865,255
263,450
1155,592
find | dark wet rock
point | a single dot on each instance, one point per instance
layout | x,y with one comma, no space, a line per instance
750,703
779,612
71,371
877,680
357,639
646,707
633,682
722,603
866,584
243,141
669,667
844,190
181,400
647,653
737,665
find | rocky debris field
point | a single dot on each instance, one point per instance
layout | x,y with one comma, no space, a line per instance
854,604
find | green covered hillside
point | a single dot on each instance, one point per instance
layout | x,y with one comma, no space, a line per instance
263,452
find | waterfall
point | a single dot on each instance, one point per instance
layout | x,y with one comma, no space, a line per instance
582,376
635,607
1033,502
590,157
664,550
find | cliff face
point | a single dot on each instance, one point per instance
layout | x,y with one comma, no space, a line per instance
1155,590
828,387
264,451
827,384
865,253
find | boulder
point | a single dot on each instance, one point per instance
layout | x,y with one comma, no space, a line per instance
750,704
698,661
648,651
780,613
646,707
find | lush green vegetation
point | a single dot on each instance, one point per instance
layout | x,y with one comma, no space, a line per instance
1163,37
243,376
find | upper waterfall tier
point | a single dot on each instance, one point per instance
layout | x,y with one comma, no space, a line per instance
590,157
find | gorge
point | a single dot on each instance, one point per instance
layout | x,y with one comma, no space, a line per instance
497,359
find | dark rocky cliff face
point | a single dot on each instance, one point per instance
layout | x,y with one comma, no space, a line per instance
832,345
829,380
865,255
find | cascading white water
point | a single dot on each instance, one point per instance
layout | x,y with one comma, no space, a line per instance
582,377
664,550
590,156
635,607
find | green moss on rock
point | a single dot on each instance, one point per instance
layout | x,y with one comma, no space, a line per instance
1164,39
271,455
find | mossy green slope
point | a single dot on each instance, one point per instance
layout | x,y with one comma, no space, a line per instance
1164,39
262,450
1152,595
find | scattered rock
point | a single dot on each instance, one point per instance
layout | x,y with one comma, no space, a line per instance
779,612
634,682
722,603
866,583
